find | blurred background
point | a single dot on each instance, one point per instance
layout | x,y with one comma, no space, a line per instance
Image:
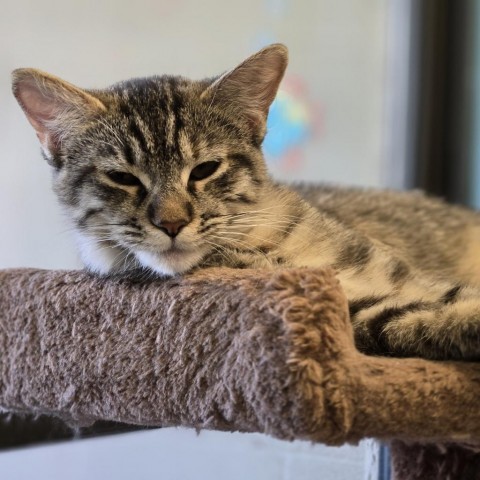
379,93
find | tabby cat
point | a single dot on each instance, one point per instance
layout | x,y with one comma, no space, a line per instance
165,174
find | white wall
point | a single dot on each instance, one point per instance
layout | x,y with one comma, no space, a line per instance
337,50
337,54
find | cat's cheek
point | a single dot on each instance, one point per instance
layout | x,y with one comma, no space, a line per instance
97,258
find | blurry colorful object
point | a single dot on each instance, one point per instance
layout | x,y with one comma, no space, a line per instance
293,120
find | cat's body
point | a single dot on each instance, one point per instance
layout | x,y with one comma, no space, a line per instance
441,240
166,175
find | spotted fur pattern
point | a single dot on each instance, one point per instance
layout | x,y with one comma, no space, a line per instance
162,175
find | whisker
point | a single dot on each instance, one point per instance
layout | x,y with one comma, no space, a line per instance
223,251
256,237
246,246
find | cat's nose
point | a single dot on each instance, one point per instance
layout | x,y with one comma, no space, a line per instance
171,228
170,215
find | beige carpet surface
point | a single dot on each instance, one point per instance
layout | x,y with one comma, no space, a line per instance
241,350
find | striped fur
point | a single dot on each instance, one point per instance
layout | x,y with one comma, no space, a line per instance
163,174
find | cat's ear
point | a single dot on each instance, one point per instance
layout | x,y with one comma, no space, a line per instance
251,86
54,108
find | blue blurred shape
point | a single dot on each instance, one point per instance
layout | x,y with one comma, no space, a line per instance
288,126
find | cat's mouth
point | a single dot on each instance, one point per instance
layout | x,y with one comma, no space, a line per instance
174,251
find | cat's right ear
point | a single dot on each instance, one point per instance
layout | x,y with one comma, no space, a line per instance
54,108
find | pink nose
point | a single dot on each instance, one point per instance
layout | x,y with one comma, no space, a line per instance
172,229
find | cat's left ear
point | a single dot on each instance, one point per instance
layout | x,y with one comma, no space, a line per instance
54,107
251,86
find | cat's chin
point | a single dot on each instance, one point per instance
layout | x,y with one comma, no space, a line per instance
104,259
171,262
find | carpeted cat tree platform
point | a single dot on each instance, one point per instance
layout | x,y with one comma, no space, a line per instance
236,350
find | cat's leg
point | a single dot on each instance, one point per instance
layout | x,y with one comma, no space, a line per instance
397,311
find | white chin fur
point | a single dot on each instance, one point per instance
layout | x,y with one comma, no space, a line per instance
169,263
104,259
96,257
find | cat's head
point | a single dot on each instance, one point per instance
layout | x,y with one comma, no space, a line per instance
157,172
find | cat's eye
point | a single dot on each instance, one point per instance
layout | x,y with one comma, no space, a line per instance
123,178
203,170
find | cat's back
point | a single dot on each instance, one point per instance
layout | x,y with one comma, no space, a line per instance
435,236
355,206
